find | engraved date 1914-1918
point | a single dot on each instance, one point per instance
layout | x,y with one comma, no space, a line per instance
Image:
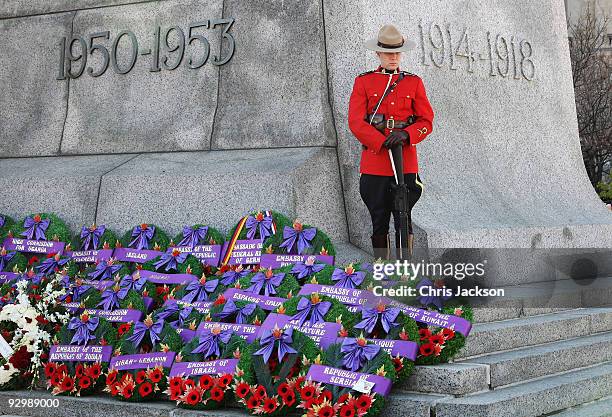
167,52
507,56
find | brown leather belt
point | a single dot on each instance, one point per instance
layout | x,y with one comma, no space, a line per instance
381,123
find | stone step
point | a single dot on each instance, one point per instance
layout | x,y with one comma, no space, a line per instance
599,408
534,330
536,361
533,398
448,378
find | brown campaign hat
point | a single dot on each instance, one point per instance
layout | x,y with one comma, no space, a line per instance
389,40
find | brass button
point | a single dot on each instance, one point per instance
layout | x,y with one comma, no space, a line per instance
392,103
375,95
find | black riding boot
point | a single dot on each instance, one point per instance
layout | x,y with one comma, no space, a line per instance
380,244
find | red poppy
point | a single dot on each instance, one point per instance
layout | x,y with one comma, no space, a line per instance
448,334
79,370
111,378
176,382
85,382
308,392
188,383
298,381
438,339
347,411
32,261
326,411
62,369
426,349
22,358
124,328
155,375
175,393
327,395
141,376
50,369
127,391
343,398
114,389
225,380
364,402
242,390
216,394
93,371
206,382
424,334
67,384
283,389
40,318
253,402
289,398
56,379
270,405
193,396
145,389
260,392
398,363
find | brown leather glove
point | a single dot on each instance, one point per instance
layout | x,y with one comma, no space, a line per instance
396,137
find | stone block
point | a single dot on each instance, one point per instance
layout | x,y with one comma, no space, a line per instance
16,8
166,110
455,379
219,187
33,103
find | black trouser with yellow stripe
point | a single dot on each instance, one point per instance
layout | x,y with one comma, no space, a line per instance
377,195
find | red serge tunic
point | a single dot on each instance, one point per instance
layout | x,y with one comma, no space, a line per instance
406,99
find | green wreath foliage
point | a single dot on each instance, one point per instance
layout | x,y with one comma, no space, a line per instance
109,237
133,300
258,314
18,263
57,229
191,262
337,311
160,238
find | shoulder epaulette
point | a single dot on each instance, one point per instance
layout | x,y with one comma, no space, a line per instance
365,73
409,74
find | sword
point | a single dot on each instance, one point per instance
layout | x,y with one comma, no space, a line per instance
400,198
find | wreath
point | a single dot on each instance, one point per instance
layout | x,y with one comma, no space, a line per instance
179,315
296,237
206,391
106,269
93,237
43,226
26,326
175,261
198,234
127,292
236,311
145,236
328,400
202,289
146,383
53,263
353,276
316,307
80,377
280,359
12,261
271,283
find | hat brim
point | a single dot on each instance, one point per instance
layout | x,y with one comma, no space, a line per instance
372,45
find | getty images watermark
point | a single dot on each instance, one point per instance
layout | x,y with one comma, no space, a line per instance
436,272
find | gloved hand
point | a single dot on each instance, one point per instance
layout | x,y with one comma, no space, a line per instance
396,137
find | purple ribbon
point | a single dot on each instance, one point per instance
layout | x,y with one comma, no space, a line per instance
217,367
2,220
314,308
294,234
35,228
5,258
348,277
142,234
49,265
131,282
284,337
171,259
209,341
76,292
268,281
90,237
357,352
142,361
242,313
348,379
437,301
199,291
171,307
230,277
370,317
84,327
261,222
141,328
110,298
192,237
306,268
105,270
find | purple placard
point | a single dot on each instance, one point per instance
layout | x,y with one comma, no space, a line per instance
186,334
217,367
265,303
323,334
433,318
248,332
202,307
99,285
121,315
160,278
72,307
353,309
403,348
8,276
348,296
70,353
348,379
208,254
275,260
246,252
90,255
135,255
33,246
142,361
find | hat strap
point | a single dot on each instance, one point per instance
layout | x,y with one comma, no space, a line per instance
389,46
